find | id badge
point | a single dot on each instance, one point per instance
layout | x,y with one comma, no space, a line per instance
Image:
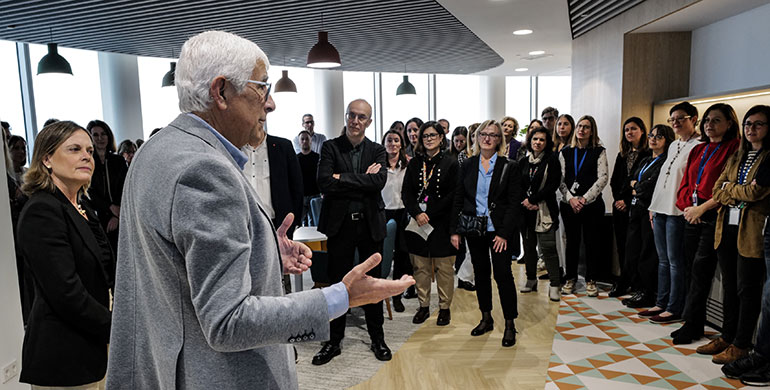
734,216
423,206
633,202
574,187
695,198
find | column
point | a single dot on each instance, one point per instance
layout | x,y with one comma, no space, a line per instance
492,97
330,107
121,102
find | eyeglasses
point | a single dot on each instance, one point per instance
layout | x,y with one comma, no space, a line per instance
750,124
351,116
265,87
677,119
489,135
657,136
429,136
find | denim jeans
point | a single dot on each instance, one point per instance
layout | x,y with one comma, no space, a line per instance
762,345
669,238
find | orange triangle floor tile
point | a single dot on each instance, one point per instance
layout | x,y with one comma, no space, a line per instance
618,358
679,385
599,363
664,373
644,379
555,375
579,369
611,374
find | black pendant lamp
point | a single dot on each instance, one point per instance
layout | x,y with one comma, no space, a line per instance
53,62
323,54
405,88
284,84
168,78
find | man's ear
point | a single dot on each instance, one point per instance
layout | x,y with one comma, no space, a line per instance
217,92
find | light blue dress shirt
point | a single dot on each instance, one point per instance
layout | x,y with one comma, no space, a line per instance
482,190
337,300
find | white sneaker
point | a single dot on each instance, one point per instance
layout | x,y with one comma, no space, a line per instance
568,288
591,289
554,294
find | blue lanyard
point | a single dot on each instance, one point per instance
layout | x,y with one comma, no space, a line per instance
702,164
578,167
645,168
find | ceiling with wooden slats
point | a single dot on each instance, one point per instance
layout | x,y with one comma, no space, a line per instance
585,15
418,36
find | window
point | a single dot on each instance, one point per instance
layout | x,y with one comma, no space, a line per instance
160,105
404,107
517,99
11,110
77,97
286,120
457,99
554,91
360,85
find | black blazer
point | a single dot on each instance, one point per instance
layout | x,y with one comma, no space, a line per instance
549,163
620,182
285,180
504,200
358,186
68,328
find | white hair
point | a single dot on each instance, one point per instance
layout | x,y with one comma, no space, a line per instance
208,55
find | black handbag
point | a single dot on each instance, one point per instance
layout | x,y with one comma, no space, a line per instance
471,225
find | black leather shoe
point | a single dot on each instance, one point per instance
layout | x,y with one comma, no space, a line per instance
485,325
381,351
634,296
410,293
686,335
326,354
465,285
398,306
509,335
443,317
641,300
618,290
745,365
422,314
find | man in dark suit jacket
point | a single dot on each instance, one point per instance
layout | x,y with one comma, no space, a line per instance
351,174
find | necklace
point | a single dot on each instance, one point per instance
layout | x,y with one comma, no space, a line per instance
80,210
679,148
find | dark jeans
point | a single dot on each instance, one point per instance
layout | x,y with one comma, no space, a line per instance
762,346
341,250
582,227
700,253
401,263
547,243
620,227
640,269
742,279
480,248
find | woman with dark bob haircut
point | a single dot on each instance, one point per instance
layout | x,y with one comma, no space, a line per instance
70,261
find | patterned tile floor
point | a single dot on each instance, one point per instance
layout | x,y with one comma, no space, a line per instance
601,344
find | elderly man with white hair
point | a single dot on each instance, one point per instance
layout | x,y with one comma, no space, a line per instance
198,296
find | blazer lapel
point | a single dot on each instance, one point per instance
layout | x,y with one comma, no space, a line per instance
81,225
496,173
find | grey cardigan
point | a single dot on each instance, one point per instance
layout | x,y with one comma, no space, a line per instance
198,299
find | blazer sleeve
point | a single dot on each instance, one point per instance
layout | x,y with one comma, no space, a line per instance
459,194
445,204
730,193
514,194
409,189
566,195
552,182
216,244
595,190
326,161
365,181
48,252
619,175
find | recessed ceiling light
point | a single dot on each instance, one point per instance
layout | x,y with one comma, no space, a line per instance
522,32
536,52
521,69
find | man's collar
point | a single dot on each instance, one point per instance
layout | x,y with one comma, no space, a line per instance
237,155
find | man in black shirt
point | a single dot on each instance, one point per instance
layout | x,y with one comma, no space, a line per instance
308,164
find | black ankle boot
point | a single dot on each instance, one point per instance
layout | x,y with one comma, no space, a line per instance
485,325
509,335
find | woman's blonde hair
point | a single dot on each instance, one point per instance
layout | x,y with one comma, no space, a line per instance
38,177
594,141
503,142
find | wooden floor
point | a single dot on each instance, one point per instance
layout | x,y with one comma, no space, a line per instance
448,357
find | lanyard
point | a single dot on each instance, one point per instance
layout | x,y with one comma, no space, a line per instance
702,164
645,168
578,167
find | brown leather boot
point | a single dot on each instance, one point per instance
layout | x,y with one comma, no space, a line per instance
729,355
716,346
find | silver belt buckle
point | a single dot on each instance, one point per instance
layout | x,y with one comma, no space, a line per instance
357,216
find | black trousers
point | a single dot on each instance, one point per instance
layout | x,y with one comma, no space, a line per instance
701,264
620,221
341,250
640,268
582,227
401,263
742,282
480,248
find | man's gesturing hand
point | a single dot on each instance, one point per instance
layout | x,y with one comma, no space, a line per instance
294,255
364,289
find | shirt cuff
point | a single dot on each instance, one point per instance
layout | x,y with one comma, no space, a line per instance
336,299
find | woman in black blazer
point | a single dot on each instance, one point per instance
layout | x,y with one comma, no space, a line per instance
501,179
70,261
106,188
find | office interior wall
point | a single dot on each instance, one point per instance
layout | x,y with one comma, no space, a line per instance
121,101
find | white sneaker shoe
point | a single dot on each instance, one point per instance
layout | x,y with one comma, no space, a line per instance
554,293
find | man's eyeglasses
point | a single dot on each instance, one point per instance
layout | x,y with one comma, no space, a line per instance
750,124
677,119
489,135
429,136
351,116
265,86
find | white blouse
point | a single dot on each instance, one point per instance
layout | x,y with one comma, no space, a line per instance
391,193
671,174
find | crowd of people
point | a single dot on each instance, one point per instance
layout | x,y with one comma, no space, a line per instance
686,197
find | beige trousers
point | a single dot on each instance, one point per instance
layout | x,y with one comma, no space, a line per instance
91,386
445,279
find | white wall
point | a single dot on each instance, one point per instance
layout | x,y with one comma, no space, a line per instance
11,328
731,54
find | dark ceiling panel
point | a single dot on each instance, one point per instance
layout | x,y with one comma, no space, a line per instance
371,35
585,15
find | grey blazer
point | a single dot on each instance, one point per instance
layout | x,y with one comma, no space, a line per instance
198,296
